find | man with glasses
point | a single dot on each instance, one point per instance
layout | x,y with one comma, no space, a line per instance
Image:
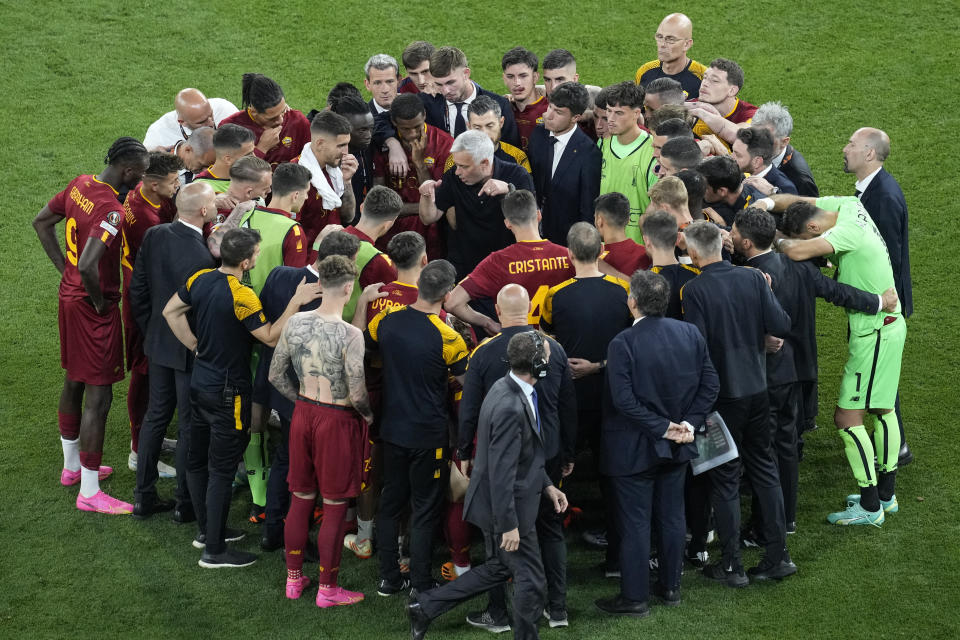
674,38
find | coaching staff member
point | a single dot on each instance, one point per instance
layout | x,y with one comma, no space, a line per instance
735,310
169,255
227,316
504,496
659,380
419,351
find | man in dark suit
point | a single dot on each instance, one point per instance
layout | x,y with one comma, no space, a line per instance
775,118
504,496
169,255
789,356
735,310
557,405
753,150
565,163
660,386
883,199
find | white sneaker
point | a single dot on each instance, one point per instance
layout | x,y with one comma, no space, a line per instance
163,469
169,445
132,461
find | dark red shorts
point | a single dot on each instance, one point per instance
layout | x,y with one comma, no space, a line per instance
91,345
329,450
133,341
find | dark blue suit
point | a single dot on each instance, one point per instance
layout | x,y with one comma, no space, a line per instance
438,115
885,203
780,180
566,197
795,167
658,371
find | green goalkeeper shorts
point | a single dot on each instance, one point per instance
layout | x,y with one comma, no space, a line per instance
872,372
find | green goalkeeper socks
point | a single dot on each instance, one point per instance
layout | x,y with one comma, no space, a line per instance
255,460
860,454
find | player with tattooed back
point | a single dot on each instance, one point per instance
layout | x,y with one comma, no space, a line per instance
328,433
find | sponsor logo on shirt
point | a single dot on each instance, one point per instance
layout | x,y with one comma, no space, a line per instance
286,141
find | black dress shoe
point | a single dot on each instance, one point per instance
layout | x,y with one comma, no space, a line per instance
419,620
669,597
182,514
271,543
620,606
145,509
906,456
767,570
734,577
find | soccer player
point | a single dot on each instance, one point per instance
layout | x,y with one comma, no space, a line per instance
408,253
611,215
660,231
719,109
328,434
281,131
380,211
674,38
660,92
91,342
670,195
250,181
381,77
727,192
842,229
533,263
331,199
628,162
231,142
468,199
419,353
191,111
520,77
676,155
484,115
228,318
361,133
148,204
416,62
427,149
753,150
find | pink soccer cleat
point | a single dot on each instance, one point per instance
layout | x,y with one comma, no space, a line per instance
69,478
102,503
296,587
337,597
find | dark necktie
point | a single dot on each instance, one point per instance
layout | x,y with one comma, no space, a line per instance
536,408
548,175
858,193
459,124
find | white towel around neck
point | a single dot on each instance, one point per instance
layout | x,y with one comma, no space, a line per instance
330,196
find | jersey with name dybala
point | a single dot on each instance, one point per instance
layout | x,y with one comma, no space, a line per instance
399,294
860,255
536,266
140,213
91,210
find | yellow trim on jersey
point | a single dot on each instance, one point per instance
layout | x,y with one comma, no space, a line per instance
195,276
212,174
375,322
620,281
106,183
454,348
546,308
653,64
238,424
697,69
404,284
245,301
448,164
735,105
518,155
146,199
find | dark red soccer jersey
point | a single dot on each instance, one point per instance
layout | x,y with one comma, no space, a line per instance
399,294
207,175
535,265
294,135
626,256
139,215
742,112
294,249
529,118
91,210
408,86
379,269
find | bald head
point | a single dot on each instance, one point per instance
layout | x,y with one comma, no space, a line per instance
674,39
877,140
679,24
866,151
513,305
196,202
193,109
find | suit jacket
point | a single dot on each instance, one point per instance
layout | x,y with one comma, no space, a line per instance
780,180
885,203
170,254
795,167
438,115
508,474
566,197
556,395
658,371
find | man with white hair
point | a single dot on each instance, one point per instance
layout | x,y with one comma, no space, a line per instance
469,198
191,111
382,75
775,118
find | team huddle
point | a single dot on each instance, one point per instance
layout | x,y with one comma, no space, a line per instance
405,319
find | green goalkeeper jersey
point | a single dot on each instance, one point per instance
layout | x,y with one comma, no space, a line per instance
628,169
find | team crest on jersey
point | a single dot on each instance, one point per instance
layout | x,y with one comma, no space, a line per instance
114,218
286,141
220,218
540,120
429,161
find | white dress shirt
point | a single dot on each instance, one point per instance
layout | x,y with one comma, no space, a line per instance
559,146
862,185
167,131
452,110
191,226
527,389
